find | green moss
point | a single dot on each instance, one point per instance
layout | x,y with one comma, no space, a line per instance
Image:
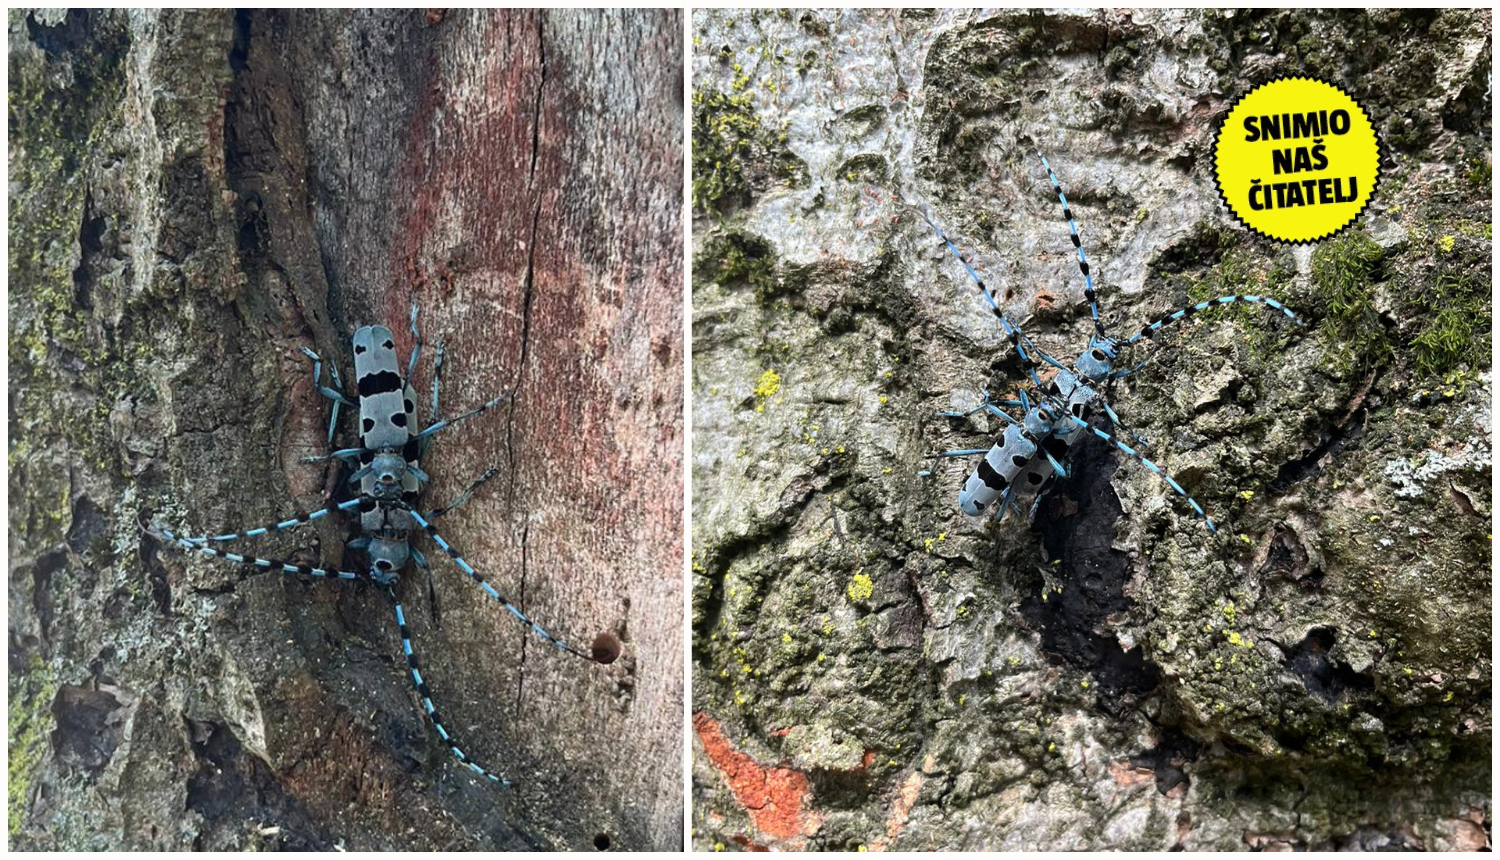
61,108
740,259
730,144
1344,271
866,168
723,128
1479,176
29,723
1456,327
1241,272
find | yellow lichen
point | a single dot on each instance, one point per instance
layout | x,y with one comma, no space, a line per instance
766,387
860,587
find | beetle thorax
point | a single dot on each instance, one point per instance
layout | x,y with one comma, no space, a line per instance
387,559
1097,362
388,468
1039,421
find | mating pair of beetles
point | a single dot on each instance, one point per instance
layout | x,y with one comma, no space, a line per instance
388,482
1033,450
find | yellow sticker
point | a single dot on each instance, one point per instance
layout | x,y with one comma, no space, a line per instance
1296,160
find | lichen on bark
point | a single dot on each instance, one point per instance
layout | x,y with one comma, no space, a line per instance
1111,676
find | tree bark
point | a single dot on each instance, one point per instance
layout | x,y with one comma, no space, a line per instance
874,669
195,197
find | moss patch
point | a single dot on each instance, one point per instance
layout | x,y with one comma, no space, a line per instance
1456,325
1344,271
29,723
736,259
733,151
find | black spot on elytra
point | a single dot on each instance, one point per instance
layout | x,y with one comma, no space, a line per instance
991,478
399,419
383,382
360,349
1033,478
1019,460
410,407
368,424
389,345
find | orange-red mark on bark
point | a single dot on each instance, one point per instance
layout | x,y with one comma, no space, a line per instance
774,796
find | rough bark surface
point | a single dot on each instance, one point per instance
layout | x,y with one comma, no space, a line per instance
872,668
195,197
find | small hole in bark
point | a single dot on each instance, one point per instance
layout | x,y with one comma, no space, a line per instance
606,648
601,842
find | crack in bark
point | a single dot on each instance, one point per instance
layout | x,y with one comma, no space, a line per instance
521,675
528,285
536,123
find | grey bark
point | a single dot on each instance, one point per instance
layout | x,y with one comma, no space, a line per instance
872,668
195,197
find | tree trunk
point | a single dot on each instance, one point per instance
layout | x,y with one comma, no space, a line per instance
196,197
874,669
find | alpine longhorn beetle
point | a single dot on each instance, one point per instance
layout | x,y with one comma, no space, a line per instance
1034,449
389,483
